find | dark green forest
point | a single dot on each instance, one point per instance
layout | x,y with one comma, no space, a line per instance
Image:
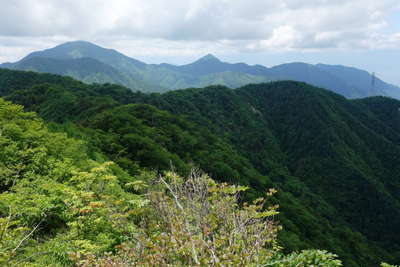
334,162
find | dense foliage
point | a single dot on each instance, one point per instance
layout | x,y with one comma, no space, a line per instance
334,162
54,198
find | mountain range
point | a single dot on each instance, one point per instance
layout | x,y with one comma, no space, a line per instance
91,63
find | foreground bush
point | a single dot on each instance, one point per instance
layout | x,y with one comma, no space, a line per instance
198,222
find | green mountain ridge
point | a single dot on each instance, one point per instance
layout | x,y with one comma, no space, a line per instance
85,69
209,70
335,162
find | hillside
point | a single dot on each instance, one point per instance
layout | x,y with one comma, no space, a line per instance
85,69
63,204
333,161
327,142
208,70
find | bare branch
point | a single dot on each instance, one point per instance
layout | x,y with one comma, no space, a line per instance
27,236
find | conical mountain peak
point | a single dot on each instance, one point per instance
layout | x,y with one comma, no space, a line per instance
78,44
209,58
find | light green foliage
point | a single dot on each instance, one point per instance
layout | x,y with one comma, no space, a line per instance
383,264
209,226
11,235
198,222
306,258
54,199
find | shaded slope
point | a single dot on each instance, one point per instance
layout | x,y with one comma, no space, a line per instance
310,74
337,154
361,80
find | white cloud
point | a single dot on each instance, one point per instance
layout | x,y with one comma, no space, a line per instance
193,26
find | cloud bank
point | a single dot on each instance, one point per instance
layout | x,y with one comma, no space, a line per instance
194,26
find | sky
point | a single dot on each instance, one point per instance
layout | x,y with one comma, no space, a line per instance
358,33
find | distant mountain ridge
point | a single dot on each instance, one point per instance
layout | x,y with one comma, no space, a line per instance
86,69
208,70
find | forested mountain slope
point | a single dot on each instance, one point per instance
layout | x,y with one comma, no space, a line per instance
345,151
334,162
63,204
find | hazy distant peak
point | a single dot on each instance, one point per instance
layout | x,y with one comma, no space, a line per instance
209,58
79,43
76,45
68,50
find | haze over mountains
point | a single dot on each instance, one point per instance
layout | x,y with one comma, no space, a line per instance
93,64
